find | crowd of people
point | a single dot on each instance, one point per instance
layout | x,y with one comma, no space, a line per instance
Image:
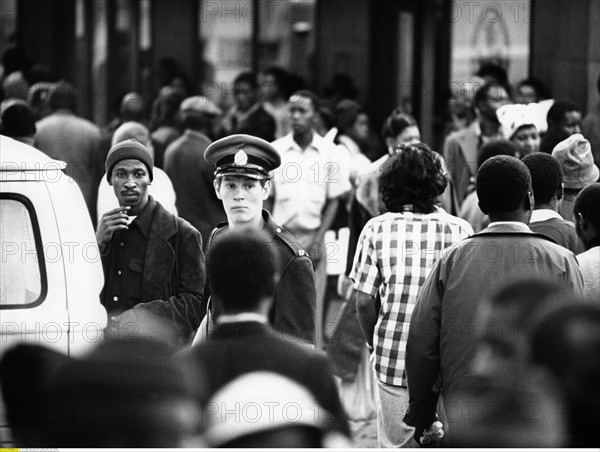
471,292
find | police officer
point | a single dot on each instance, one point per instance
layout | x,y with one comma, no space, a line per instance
243,182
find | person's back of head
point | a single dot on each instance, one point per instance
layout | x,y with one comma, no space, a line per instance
241,270
18,122
62,97
396,123
586,212
558,112
546,179
567,343
412,178
27,372
133,107
503,186
129,393
496,147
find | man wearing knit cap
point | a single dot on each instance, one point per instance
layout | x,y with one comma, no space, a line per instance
153,261
577,163
161,190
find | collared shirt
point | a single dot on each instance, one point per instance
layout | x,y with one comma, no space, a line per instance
395,254
124,274
242,317
543,215
306,180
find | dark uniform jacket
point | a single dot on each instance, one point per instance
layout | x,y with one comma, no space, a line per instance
173,273
238,348
293,309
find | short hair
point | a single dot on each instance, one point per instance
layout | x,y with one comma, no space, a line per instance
308,95
502,184
496,147
414,175
493,70
281,77
247,77
546,176
559,109
587,203
481,95
396,122
63,95
539,87
248,260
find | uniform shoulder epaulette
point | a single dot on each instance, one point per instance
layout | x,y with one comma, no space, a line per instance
290,241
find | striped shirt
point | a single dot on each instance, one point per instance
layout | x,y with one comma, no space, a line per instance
395,254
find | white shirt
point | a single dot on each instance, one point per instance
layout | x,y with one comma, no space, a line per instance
543,215
306,180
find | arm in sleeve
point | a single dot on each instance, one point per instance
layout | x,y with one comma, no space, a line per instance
182,309
423,354
295,300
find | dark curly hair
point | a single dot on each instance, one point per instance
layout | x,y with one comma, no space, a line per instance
414,175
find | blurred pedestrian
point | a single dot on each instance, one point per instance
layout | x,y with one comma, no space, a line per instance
192,176
577,163
586,213
18,122
65,136
548,190
164,125
567,343
247,115
590,127
308,187
564,120
461,149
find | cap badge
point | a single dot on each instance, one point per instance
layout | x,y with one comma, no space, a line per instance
240,158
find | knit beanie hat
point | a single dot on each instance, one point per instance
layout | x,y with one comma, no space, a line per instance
128,149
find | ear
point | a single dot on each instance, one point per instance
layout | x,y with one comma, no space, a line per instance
560,192
481,208
216,185
266,190
529,201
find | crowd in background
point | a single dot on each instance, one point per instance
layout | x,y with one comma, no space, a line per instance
499,229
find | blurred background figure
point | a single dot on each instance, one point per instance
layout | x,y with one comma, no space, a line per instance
352,135
27,374
461,114
161,188
130,393
586,215
564,120
65,136
577,164
18,121
38,99
461,149
164,125
522,124
567,343
192,176
247,115
548,191
131,108
590,127
275,91
531,90
493,73
282,414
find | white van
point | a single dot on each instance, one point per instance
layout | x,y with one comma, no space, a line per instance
50,269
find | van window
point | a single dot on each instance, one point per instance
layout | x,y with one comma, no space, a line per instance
22,275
